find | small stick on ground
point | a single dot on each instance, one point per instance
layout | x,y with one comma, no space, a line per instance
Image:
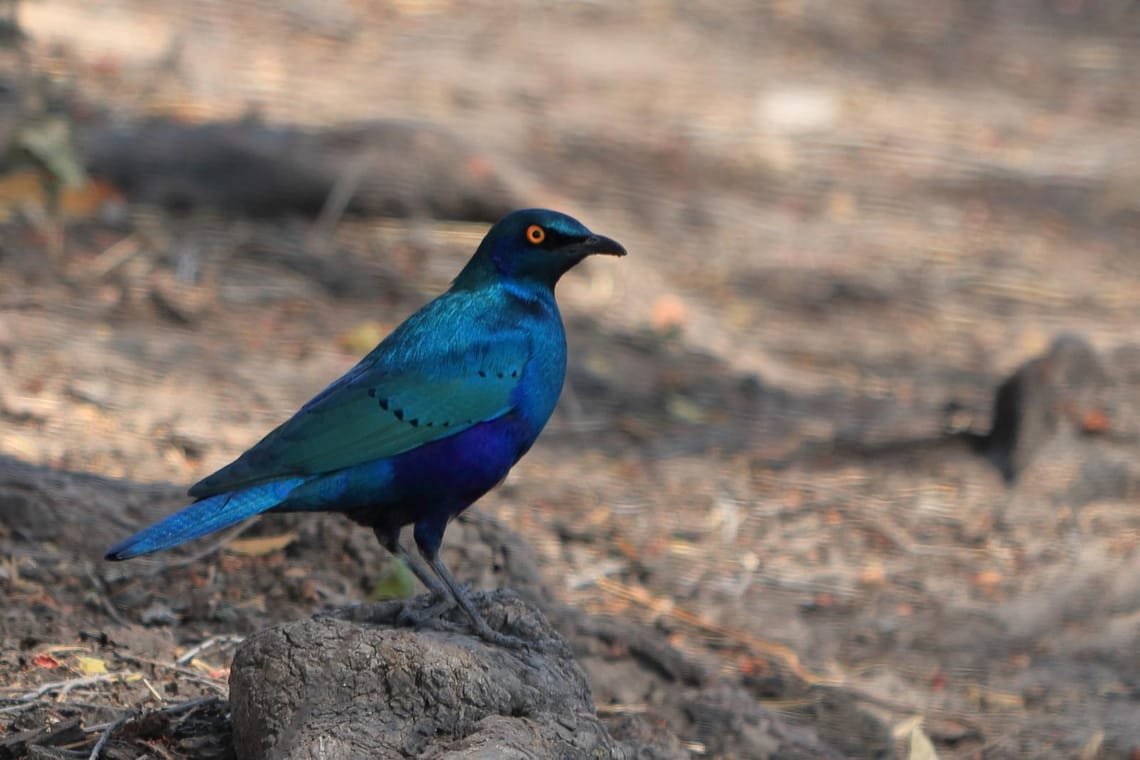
187,673
193,652
104,737
66,686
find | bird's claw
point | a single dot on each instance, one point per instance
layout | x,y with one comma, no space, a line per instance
432,616
507,641
415,614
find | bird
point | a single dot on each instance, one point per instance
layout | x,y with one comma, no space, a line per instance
429,421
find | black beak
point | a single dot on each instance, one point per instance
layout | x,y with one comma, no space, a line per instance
597,244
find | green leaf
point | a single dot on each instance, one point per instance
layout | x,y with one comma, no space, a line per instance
397,582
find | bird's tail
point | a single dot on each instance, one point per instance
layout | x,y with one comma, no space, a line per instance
205,516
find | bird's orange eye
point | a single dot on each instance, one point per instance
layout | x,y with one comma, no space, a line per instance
535,234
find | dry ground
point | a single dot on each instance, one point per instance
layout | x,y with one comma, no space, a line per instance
841,218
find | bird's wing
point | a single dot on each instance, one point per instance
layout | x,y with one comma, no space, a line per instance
390,403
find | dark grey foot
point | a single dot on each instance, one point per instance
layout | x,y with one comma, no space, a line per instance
478,625
543,646
415,615
427,613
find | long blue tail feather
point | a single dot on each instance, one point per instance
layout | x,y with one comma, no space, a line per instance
205,516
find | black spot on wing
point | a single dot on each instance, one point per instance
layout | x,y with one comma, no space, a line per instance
499,374
399,414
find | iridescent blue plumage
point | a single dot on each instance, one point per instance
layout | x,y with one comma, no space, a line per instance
429,421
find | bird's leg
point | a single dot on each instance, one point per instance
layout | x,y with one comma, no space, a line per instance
390,540
426,577
443,598
429,536
482,630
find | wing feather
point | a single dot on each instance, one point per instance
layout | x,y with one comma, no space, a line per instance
396,399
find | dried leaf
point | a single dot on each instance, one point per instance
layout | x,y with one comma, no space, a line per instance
1094,746
1095,421
260,546
217,672
873,573
919,745
91,666
987,579
49,140
46,661
85,201
27,187
684,410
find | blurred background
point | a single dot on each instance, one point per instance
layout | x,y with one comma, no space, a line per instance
782,440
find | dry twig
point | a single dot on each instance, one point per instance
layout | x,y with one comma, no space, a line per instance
104,737
187,673
64,687
194,651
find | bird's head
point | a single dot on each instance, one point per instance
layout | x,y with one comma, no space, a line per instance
535,245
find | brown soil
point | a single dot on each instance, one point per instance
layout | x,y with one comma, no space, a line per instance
844,221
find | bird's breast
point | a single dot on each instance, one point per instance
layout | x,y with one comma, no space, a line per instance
455,471
541,383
